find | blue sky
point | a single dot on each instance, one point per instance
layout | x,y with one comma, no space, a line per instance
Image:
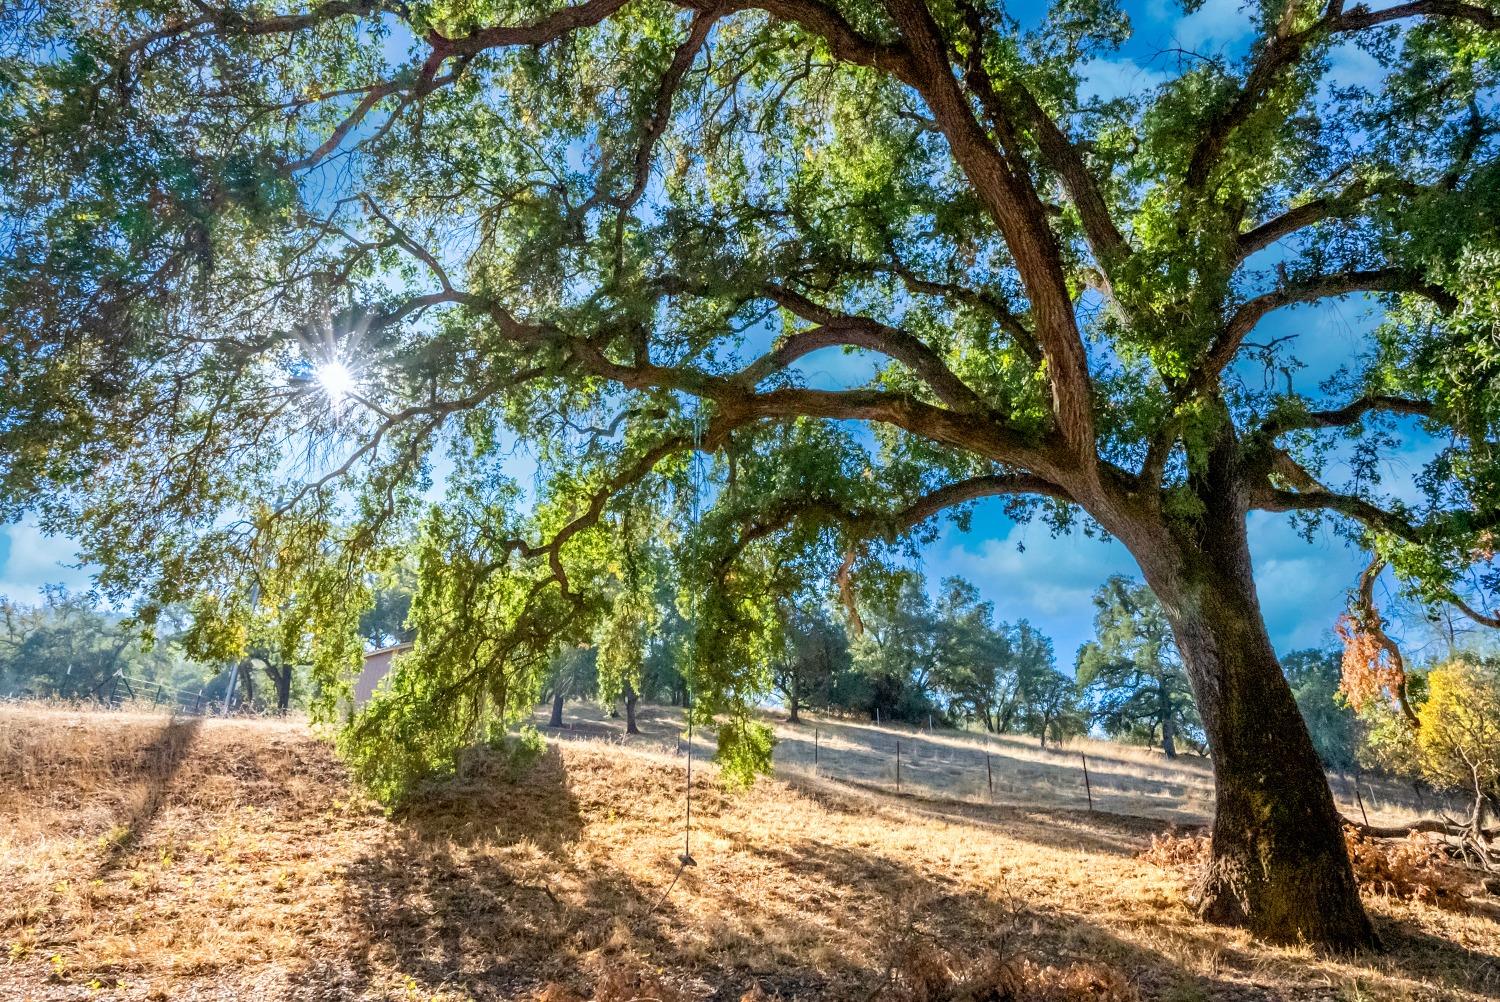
1303,585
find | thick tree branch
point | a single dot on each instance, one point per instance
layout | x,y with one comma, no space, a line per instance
824,21
1285,49
861,332
1104,237
1222,352
546,29
1350,413
661,114
1357,508
1013,203
973,489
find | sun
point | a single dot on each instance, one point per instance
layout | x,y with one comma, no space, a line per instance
336,379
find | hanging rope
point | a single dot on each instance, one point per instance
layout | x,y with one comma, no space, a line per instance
699,477
686,859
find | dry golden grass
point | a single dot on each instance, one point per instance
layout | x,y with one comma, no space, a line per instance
144,858
1125,779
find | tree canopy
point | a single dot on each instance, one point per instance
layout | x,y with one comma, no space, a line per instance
271,268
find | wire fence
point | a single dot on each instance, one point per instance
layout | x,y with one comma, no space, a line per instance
932,763
1082,774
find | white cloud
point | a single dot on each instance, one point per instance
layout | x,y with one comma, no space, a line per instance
1051,583
1107,79
33,559
1349,65
1302,585
1215,26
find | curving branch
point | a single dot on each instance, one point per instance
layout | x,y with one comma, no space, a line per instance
925,507
860,332
1284,49
1373,623
1483,619
973,489
984,300
823,20
546,29
1224,348
661,112
1350,413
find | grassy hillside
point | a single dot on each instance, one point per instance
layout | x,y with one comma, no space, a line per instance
148,858
1123,779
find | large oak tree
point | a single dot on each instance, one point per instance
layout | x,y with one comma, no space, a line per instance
266,264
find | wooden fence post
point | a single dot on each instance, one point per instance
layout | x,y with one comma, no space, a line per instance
1087,786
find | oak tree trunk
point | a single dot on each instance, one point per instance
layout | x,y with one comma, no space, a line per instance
283,680
630,698
1279,865
557,708
1168,727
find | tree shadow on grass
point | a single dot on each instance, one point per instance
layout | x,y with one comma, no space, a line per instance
459,895
1413,953
1167,962
1096,831
488,891
159,761
899,905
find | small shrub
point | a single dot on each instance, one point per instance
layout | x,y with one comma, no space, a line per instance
1414,869
924,972
1172,851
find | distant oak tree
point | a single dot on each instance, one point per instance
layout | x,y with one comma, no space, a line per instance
266,264
1133,670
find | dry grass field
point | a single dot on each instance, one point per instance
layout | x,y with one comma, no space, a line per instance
149,858
1123,779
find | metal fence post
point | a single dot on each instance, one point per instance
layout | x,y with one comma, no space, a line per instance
1087,786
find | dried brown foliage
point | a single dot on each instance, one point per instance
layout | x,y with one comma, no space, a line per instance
1172,851
1414,869
924,970
628,980
1370,672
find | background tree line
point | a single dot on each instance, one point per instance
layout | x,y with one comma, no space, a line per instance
920,658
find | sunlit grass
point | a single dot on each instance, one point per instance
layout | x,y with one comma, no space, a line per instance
247,867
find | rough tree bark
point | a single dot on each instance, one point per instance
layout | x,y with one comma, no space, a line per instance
1279,864
283,681
1168,727
557,708
630,699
